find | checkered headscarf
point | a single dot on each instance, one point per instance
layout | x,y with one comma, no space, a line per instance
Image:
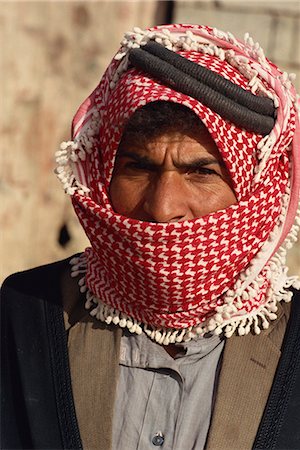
221,272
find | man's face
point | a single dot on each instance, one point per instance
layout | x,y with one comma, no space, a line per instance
171,178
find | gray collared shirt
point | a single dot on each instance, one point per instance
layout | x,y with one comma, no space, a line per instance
163,402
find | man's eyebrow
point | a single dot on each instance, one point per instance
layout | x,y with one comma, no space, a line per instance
193,164
135,156
200,162
145,160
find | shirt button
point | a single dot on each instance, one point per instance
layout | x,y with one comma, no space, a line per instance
158,439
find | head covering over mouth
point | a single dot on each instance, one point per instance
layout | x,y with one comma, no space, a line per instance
223,272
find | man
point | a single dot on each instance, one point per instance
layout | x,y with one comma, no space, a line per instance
184,173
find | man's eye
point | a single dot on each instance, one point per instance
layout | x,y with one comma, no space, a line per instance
201,171
132,165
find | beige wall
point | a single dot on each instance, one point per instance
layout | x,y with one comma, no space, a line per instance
52,56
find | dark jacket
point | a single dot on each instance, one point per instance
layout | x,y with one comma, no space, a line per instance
38,410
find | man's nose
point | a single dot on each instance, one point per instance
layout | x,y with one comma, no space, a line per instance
166,199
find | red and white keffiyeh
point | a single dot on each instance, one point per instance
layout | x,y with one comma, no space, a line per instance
223,272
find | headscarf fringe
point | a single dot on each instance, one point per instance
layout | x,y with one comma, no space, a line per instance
71,152
229,318
279,290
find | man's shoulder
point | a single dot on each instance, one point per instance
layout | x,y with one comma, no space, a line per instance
37,282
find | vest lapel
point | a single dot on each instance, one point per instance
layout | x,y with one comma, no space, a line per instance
94,350
247,372
94,362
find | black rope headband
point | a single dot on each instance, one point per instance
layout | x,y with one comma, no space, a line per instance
230,101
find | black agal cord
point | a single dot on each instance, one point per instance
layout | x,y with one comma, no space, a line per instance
233,103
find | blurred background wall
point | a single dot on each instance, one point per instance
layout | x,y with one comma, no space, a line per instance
52,56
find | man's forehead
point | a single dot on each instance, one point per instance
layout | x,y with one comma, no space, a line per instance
183,146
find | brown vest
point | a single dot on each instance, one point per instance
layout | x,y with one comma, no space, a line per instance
247,372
